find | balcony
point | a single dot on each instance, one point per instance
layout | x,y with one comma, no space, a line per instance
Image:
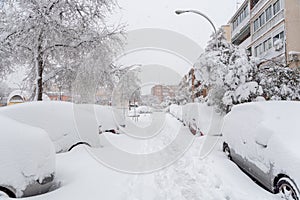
241,26
268,25
258,6
242,35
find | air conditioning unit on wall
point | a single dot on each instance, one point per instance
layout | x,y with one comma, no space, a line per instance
294,56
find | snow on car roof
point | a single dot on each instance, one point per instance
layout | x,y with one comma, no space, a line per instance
282,117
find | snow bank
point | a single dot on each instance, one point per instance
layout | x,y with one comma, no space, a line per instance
66,123
27,154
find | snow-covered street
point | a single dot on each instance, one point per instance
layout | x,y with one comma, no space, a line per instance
149,100
214,177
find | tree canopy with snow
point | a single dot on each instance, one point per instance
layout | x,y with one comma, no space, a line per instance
232,77
54,35
227,72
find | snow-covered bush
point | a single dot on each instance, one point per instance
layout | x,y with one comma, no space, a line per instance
228,73
279,83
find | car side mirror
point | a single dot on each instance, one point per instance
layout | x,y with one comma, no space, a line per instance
263,136
260,144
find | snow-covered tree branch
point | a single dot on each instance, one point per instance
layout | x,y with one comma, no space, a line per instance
50,34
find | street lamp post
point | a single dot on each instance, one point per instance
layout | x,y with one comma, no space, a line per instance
178,12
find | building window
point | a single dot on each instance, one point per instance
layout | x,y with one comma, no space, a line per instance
276,7
268,44
253,3
262,19
256,51
259,49
249,51
256,24
278,36
269,13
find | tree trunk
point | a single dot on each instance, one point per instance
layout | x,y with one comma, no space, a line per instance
39,70
39,91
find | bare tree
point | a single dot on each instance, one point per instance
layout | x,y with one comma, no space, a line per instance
47,35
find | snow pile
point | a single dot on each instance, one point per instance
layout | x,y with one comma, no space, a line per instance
27,154
271,132
66,123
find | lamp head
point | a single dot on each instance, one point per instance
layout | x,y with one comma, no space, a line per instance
178,12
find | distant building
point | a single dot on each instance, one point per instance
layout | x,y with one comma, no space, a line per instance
268,29
59,96
227,32
164,91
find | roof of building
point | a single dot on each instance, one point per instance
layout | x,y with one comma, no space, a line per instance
238,11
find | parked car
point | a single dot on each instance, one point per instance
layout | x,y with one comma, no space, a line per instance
196,116
27,160
262,138
67,124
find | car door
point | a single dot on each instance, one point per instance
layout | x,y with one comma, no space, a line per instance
257,163
264,166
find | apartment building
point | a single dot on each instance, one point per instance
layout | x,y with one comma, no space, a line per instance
164,91
268,29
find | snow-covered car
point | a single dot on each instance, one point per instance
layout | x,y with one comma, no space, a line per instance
197,116
144,109
67,124
263,139
27,163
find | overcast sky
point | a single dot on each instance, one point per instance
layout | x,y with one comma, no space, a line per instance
139,14
160,14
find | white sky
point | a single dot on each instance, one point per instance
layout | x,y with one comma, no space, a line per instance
139,14
160,14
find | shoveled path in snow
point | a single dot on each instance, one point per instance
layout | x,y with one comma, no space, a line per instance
212,178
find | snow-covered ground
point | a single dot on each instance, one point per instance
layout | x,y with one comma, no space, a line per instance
214,177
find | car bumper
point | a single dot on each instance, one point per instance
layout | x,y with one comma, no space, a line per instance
39,187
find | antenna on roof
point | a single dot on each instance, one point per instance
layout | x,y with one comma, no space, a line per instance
237,4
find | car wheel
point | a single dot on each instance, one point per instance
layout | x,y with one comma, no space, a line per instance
226,150
287,189
77,144
4,192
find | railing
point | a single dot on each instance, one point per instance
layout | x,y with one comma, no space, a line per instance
258,6
246,43
241,25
